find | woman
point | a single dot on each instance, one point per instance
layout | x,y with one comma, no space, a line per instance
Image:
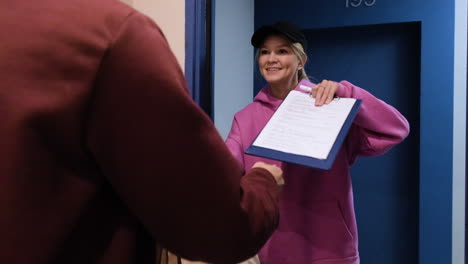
317,219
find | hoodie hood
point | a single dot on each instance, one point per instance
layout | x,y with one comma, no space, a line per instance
266,98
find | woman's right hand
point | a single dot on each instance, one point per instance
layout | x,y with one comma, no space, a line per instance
324,92
276,171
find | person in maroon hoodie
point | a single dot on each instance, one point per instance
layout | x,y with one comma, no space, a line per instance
104,154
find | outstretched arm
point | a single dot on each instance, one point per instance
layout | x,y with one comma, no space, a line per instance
165,159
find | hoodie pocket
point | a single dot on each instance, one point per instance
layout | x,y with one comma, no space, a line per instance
320,229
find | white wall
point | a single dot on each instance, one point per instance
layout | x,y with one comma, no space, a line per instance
459,133
233,60
170,16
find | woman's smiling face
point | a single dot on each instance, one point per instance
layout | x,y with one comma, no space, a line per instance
278,63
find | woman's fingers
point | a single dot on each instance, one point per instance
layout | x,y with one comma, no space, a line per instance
313,93
333,86
319,95
324,92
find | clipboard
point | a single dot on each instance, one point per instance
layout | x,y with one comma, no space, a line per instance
306,160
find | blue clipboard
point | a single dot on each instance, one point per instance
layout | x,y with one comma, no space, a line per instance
323,164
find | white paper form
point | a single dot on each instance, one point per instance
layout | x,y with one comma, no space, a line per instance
299,127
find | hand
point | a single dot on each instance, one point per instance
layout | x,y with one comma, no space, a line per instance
276,171
324,92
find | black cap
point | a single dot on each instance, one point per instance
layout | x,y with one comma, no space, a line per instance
290,31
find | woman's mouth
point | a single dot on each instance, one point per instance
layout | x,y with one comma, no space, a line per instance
273,69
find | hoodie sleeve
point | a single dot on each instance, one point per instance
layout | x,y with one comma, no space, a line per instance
165,160
233,142
377,127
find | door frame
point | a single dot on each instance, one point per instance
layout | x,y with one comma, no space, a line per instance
198,61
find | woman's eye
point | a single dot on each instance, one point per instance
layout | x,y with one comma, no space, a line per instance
263,52
283,51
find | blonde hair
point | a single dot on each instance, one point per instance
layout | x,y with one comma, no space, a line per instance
301,55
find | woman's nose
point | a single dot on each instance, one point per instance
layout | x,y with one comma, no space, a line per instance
272,57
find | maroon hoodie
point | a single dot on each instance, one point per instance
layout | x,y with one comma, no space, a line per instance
102,151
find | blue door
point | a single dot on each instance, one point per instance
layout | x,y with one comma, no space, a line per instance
384,60
411,199
408,202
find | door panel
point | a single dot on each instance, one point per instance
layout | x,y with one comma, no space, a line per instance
384,60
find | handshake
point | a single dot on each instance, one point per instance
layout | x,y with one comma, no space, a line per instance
276,171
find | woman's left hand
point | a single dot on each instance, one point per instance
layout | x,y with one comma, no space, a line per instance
324,92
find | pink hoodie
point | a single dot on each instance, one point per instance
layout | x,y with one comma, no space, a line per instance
317,223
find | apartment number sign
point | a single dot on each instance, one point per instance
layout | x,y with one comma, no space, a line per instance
358,3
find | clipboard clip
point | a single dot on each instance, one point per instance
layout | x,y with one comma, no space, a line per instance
306,89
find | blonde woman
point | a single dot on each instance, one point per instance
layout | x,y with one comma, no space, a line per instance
317,219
